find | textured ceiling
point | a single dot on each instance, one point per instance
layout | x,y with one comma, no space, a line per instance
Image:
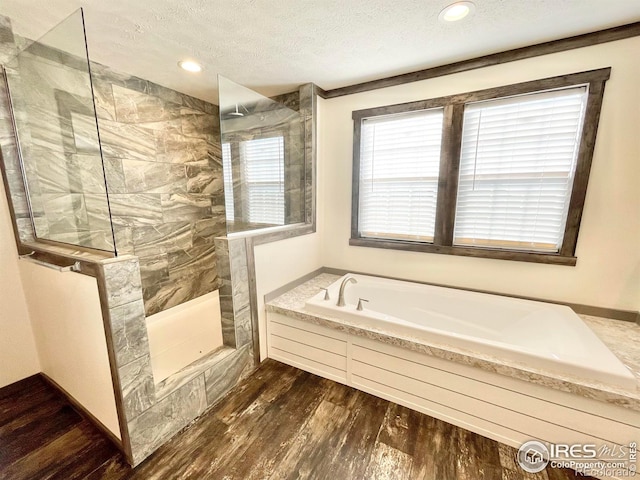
275,45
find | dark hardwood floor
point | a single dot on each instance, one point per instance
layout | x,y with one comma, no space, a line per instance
280,423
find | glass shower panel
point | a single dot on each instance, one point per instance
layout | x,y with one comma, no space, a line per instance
263,156
53,108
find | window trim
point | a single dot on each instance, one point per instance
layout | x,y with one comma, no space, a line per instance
450,164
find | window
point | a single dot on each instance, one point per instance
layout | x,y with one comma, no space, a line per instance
400,157
499,173
263,162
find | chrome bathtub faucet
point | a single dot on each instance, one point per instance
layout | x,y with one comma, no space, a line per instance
342,287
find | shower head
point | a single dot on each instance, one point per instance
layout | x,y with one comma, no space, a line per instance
236,113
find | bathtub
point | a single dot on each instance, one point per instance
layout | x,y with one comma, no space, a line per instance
534,334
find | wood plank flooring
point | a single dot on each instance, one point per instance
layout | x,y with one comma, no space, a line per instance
280,423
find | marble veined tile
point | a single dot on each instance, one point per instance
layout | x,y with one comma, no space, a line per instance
191,371
138,388
103,73
194,103
178,207
85,133
154,269
163,127
92,174
136,209
204,179
224,375
25,230
206,230
7,45
161,296
97,212
124,241
242,324
122,279
100,239
154,177
197,124
159,423
206,281
176,148
9,150
162,238
55,171
136,107
103,95
185,263
65,212
129,332
212,109
166,94
127,141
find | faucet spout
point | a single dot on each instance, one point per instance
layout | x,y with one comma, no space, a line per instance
341,302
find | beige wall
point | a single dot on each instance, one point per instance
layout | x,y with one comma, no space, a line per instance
279,263
69,333
18,355
181,335
608,251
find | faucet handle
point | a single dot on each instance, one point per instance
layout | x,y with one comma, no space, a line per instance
326,294
360,307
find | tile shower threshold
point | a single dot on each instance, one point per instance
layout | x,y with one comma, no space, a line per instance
191,371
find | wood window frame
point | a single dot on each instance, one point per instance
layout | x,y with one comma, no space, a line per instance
450,165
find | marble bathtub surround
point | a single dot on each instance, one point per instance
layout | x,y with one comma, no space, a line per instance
623,345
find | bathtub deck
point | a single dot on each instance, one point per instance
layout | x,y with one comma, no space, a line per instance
278,423
621,337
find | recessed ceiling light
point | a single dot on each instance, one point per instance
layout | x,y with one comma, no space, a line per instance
190,66
456,11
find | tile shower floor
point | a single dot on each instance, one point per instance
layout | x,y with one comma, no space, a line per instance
280,423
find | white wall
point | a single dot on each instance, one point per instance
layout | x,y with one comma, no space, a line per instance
18,355
69,333
182,334
608,251
279,263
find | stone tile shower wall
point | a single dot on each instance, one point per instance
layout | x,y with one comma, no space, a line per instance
164,174
165,184
8,141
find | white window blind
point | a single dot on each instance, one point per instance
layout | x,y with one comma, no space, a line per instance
517,165
263,161
228,181
399,166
